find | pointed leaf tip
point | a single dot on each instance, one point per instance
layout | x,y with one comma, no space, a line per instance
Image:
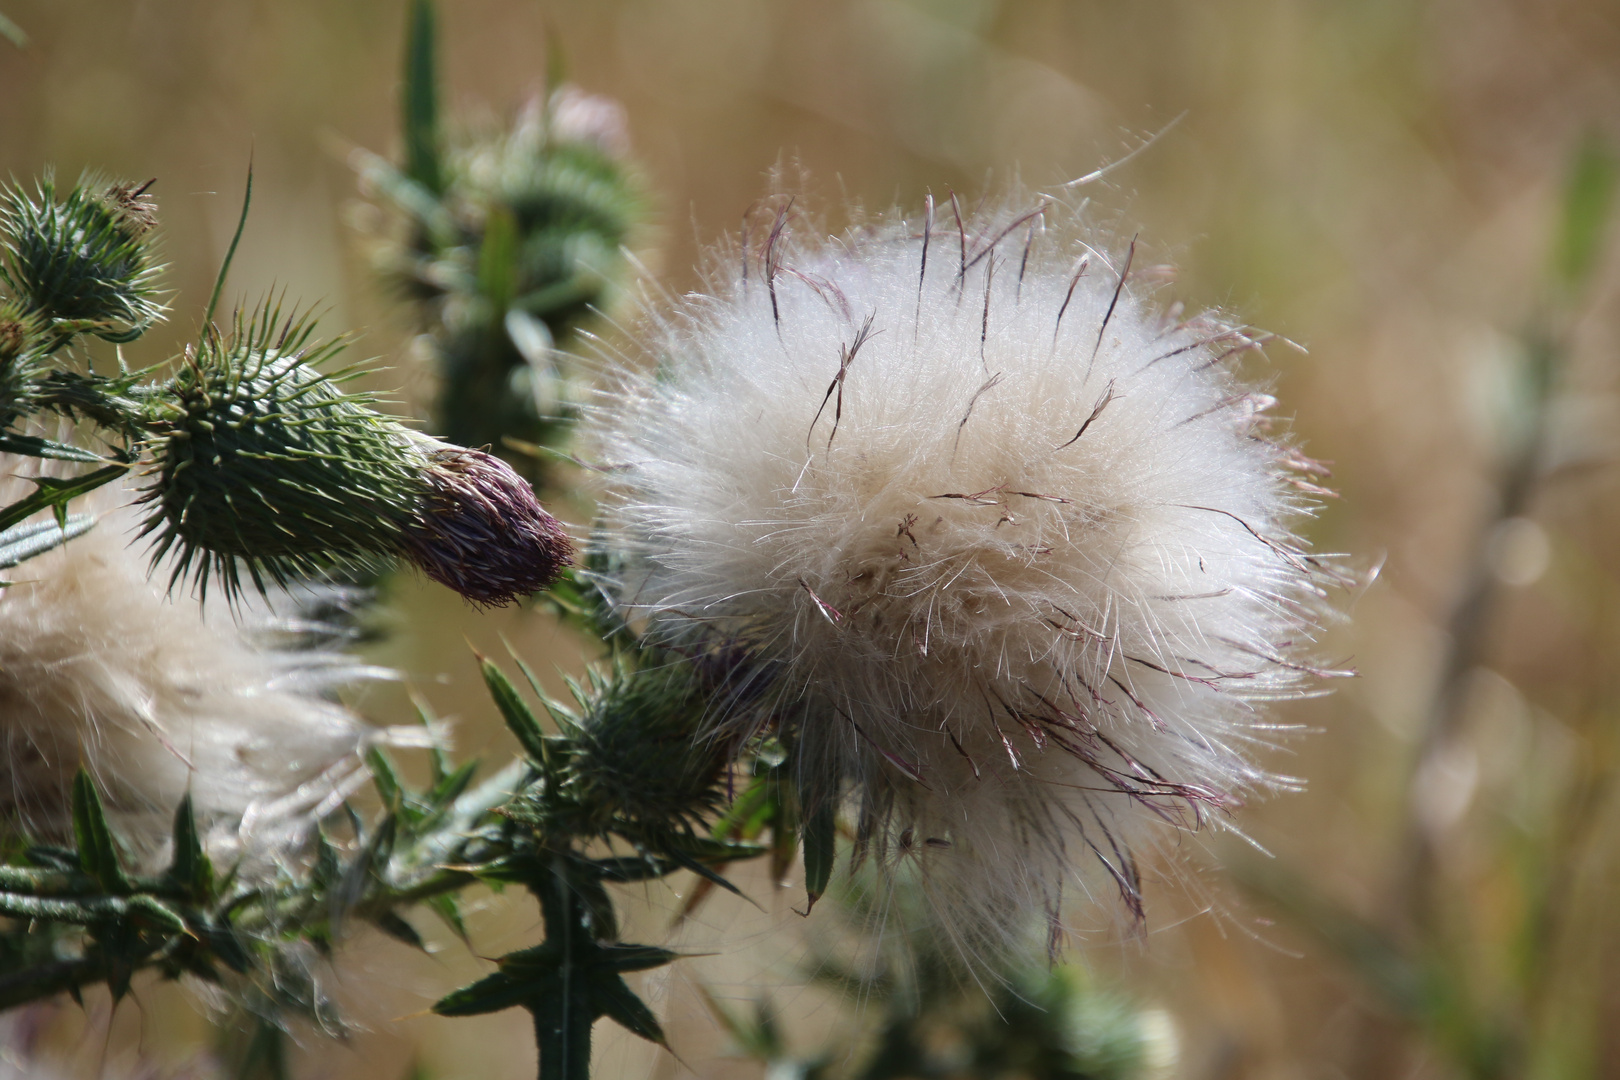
518,716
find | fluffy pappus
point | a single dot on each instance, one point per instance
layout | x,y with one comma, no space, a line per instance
1014,548
100,667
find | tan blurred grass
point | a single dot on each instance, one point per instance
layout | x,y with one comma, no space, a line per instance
1375,180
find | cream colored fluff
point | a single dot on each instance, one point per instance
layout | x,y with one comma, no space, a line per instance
1012,547
99,666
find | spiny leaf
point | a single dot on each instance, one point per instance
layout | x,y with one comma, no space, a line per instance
230,254
154,912
32,446
53,493
190,868
820,849
519,718
622,958
496,992
384,777
98,856
450,788
400,930
705,873
438,760
613,999
447,909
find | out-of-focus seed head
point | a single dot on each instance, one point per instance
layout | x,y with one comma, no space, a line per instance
159,699
84,263
264,464
480,530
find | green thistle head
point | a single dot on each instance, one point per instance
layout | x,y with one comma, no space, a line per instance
85,263
638,761
267,466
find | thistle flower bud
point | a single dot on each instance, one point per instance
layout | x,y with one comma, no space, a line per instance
267,465
1014,550
83,263
638,763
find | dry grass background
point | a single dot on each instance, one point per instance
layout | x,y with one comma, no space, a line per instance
1374,179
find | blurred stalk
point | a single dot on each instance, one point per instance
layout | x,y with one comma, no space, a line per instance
1546,345
1483,1046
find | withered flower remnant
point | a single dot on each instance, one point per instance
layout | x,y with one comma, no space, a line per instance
481,531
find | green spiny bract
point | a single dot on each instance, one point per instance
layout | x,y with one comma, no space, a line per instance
634,760
85,263
267,465
524,242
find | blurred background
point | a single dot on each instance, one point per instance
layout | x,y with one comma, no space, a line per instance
1380,181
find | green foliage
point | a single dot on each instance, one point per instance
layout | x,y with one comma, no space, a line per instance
419,104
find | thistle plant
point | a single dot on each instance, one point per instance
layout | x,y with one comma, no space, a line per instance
922,1012
505,242
936,556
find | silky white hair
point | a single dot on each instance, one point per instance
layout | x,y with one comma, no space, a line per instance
1013,549
101,667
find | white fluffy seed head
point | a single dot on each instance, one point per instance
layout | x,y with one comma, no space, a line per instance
1013,547
99,667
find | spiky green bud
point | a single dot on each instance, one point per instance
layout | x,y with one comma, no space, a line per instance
267,466
83,263
636,761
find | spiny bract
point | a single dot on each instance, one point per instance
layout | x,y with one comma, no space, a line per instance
1014,548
